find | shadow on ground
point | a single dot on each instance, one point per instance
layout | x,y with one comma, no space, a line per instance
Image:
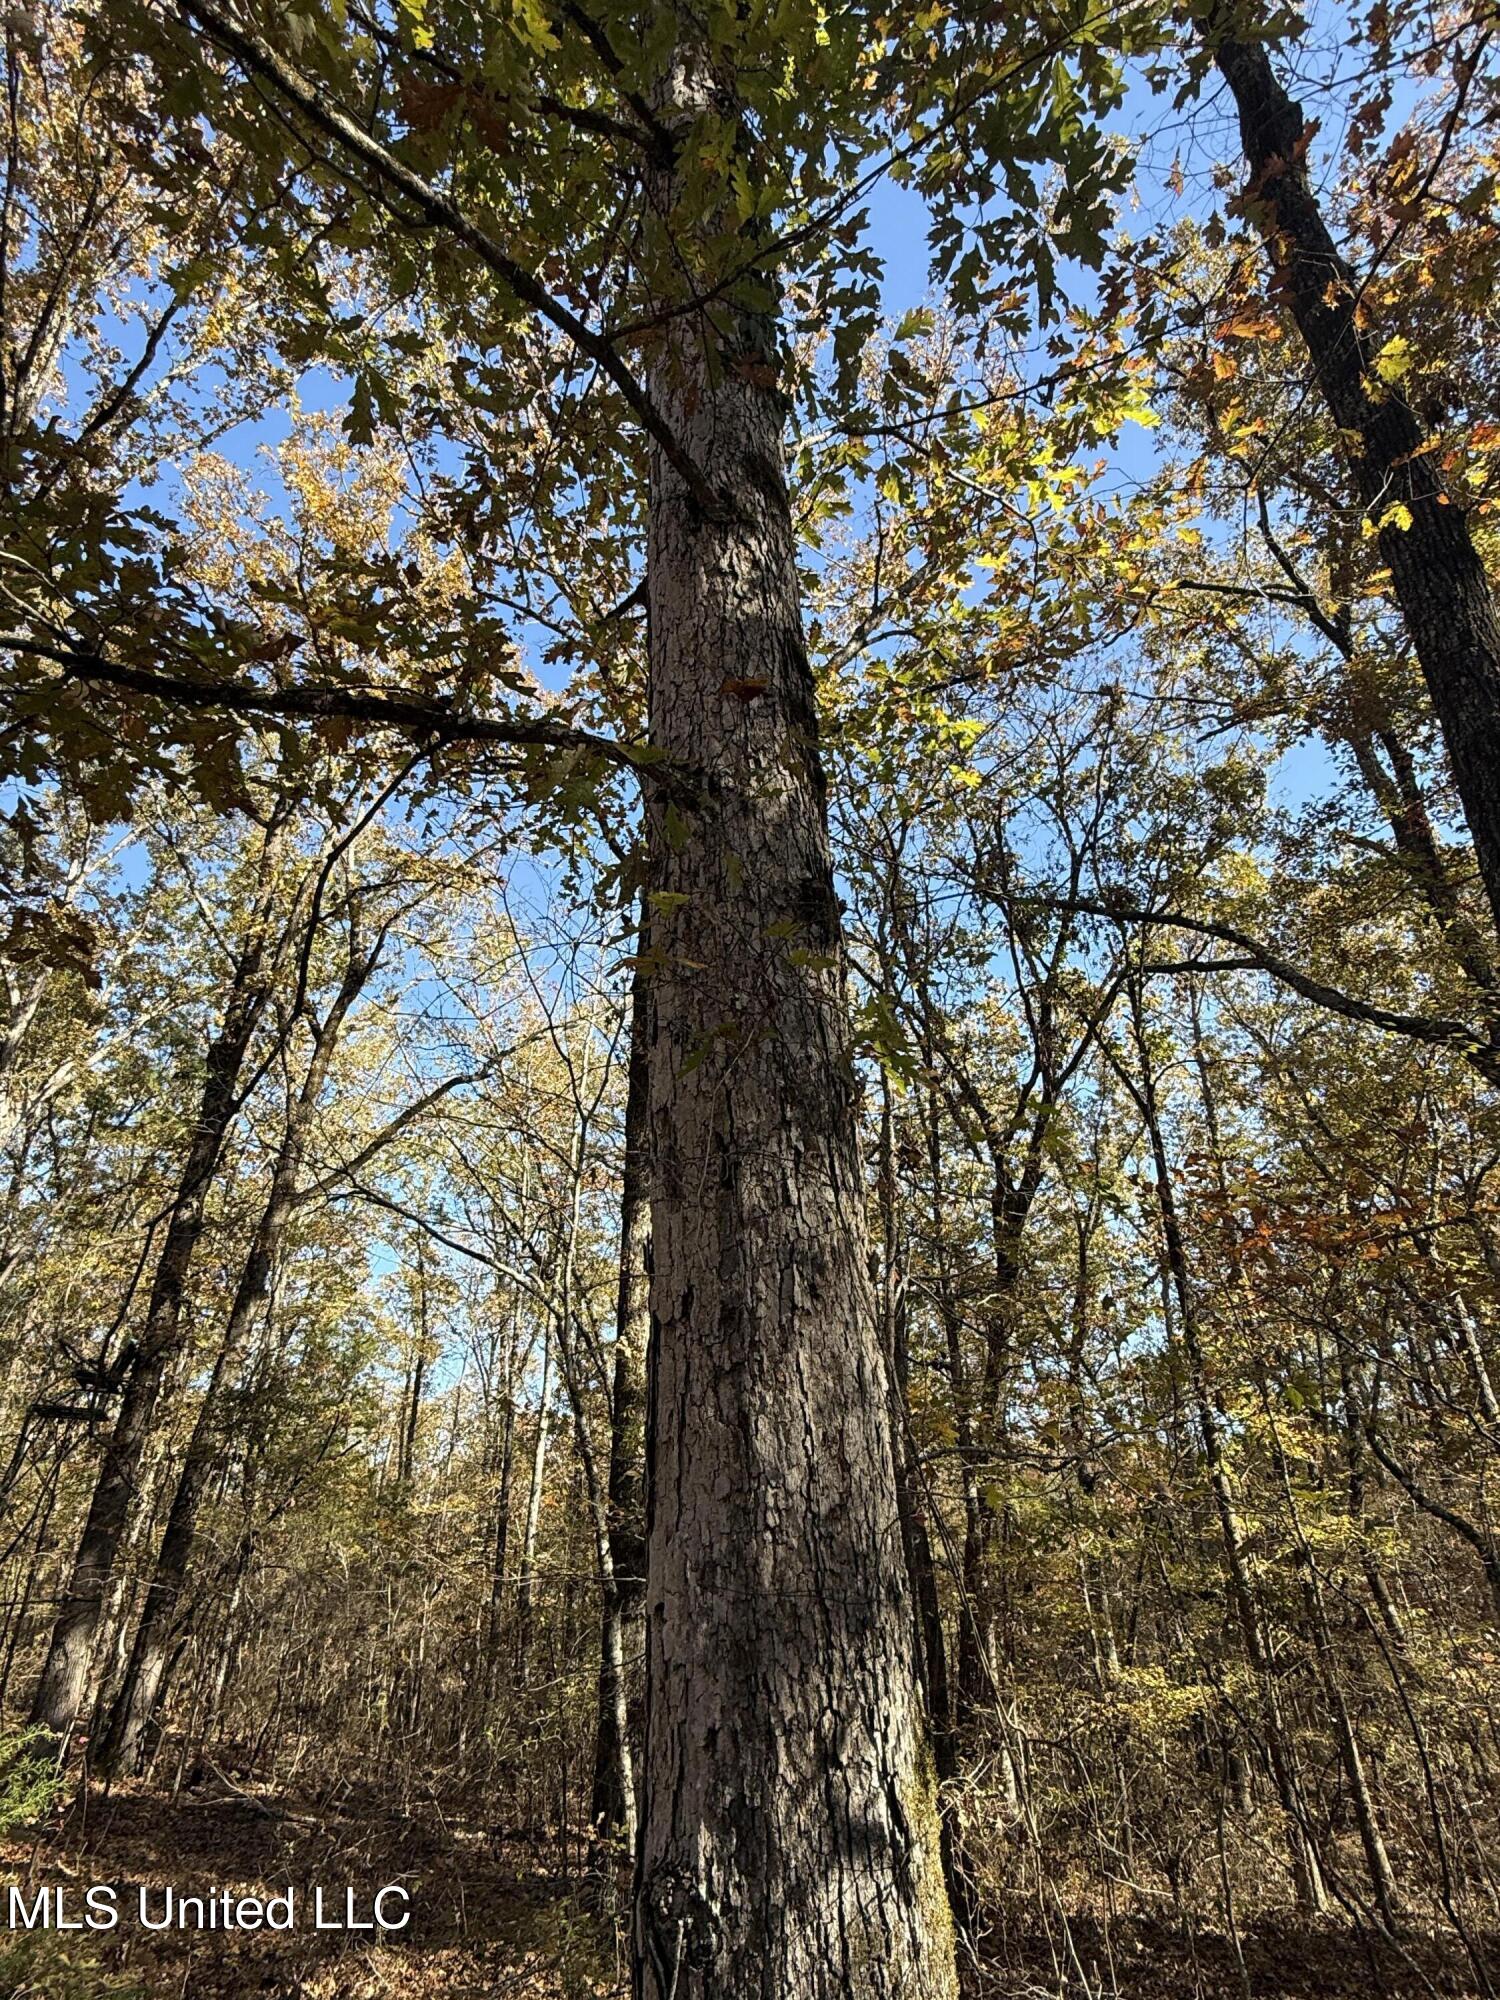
496,1918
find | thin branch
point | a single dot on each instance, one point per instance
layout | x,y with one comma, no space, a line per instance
431,716
1435,1030
262,62
347,1170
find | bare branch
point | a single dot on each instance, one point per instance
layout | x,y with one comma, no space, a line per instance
1436,1030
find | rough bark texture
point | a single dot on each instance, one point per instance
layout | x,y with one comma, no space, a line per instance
61,1691
1438,577
790,1846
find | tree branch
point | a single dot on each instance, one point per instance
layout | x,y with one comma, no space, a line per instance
347,1170
431,716
262,62
1436,1030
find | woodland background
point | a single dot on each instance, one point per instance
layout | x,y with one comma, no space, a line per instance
1175,993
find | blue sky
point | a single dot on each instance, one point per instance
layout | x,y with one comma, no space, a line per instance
897,229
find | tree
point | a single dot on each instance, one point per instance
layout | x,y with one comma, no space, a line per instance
62,1688
124,1737
1146,1440
766,1277
1424,534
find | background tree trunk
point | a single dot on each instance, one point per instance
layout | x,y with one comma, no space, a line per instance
63,1685
620,1636
125,1737
1436,571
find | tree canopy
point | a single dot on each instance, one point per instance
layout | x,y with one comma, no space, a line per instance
750,802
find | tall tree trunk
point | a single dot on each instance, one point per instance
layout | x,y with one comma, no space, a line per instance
620,1634
123,1743
932,1651
515,1364
65,1674
1383,1884
495,1614
411,1416
586,1464
928,1636
1400,797
973,1690
1010,1209
790,1847
1423,532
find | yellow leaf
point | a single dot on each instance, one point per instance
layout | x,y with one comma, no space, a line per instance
1397,515
1393,362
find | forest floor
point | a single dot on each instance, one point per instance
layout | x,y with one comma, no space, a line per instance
1154,1958
487,1919
492,1920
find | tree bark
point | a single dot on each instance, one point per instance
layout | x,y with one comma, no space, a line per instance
790,1846
65,1674
1424,538
620,1634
